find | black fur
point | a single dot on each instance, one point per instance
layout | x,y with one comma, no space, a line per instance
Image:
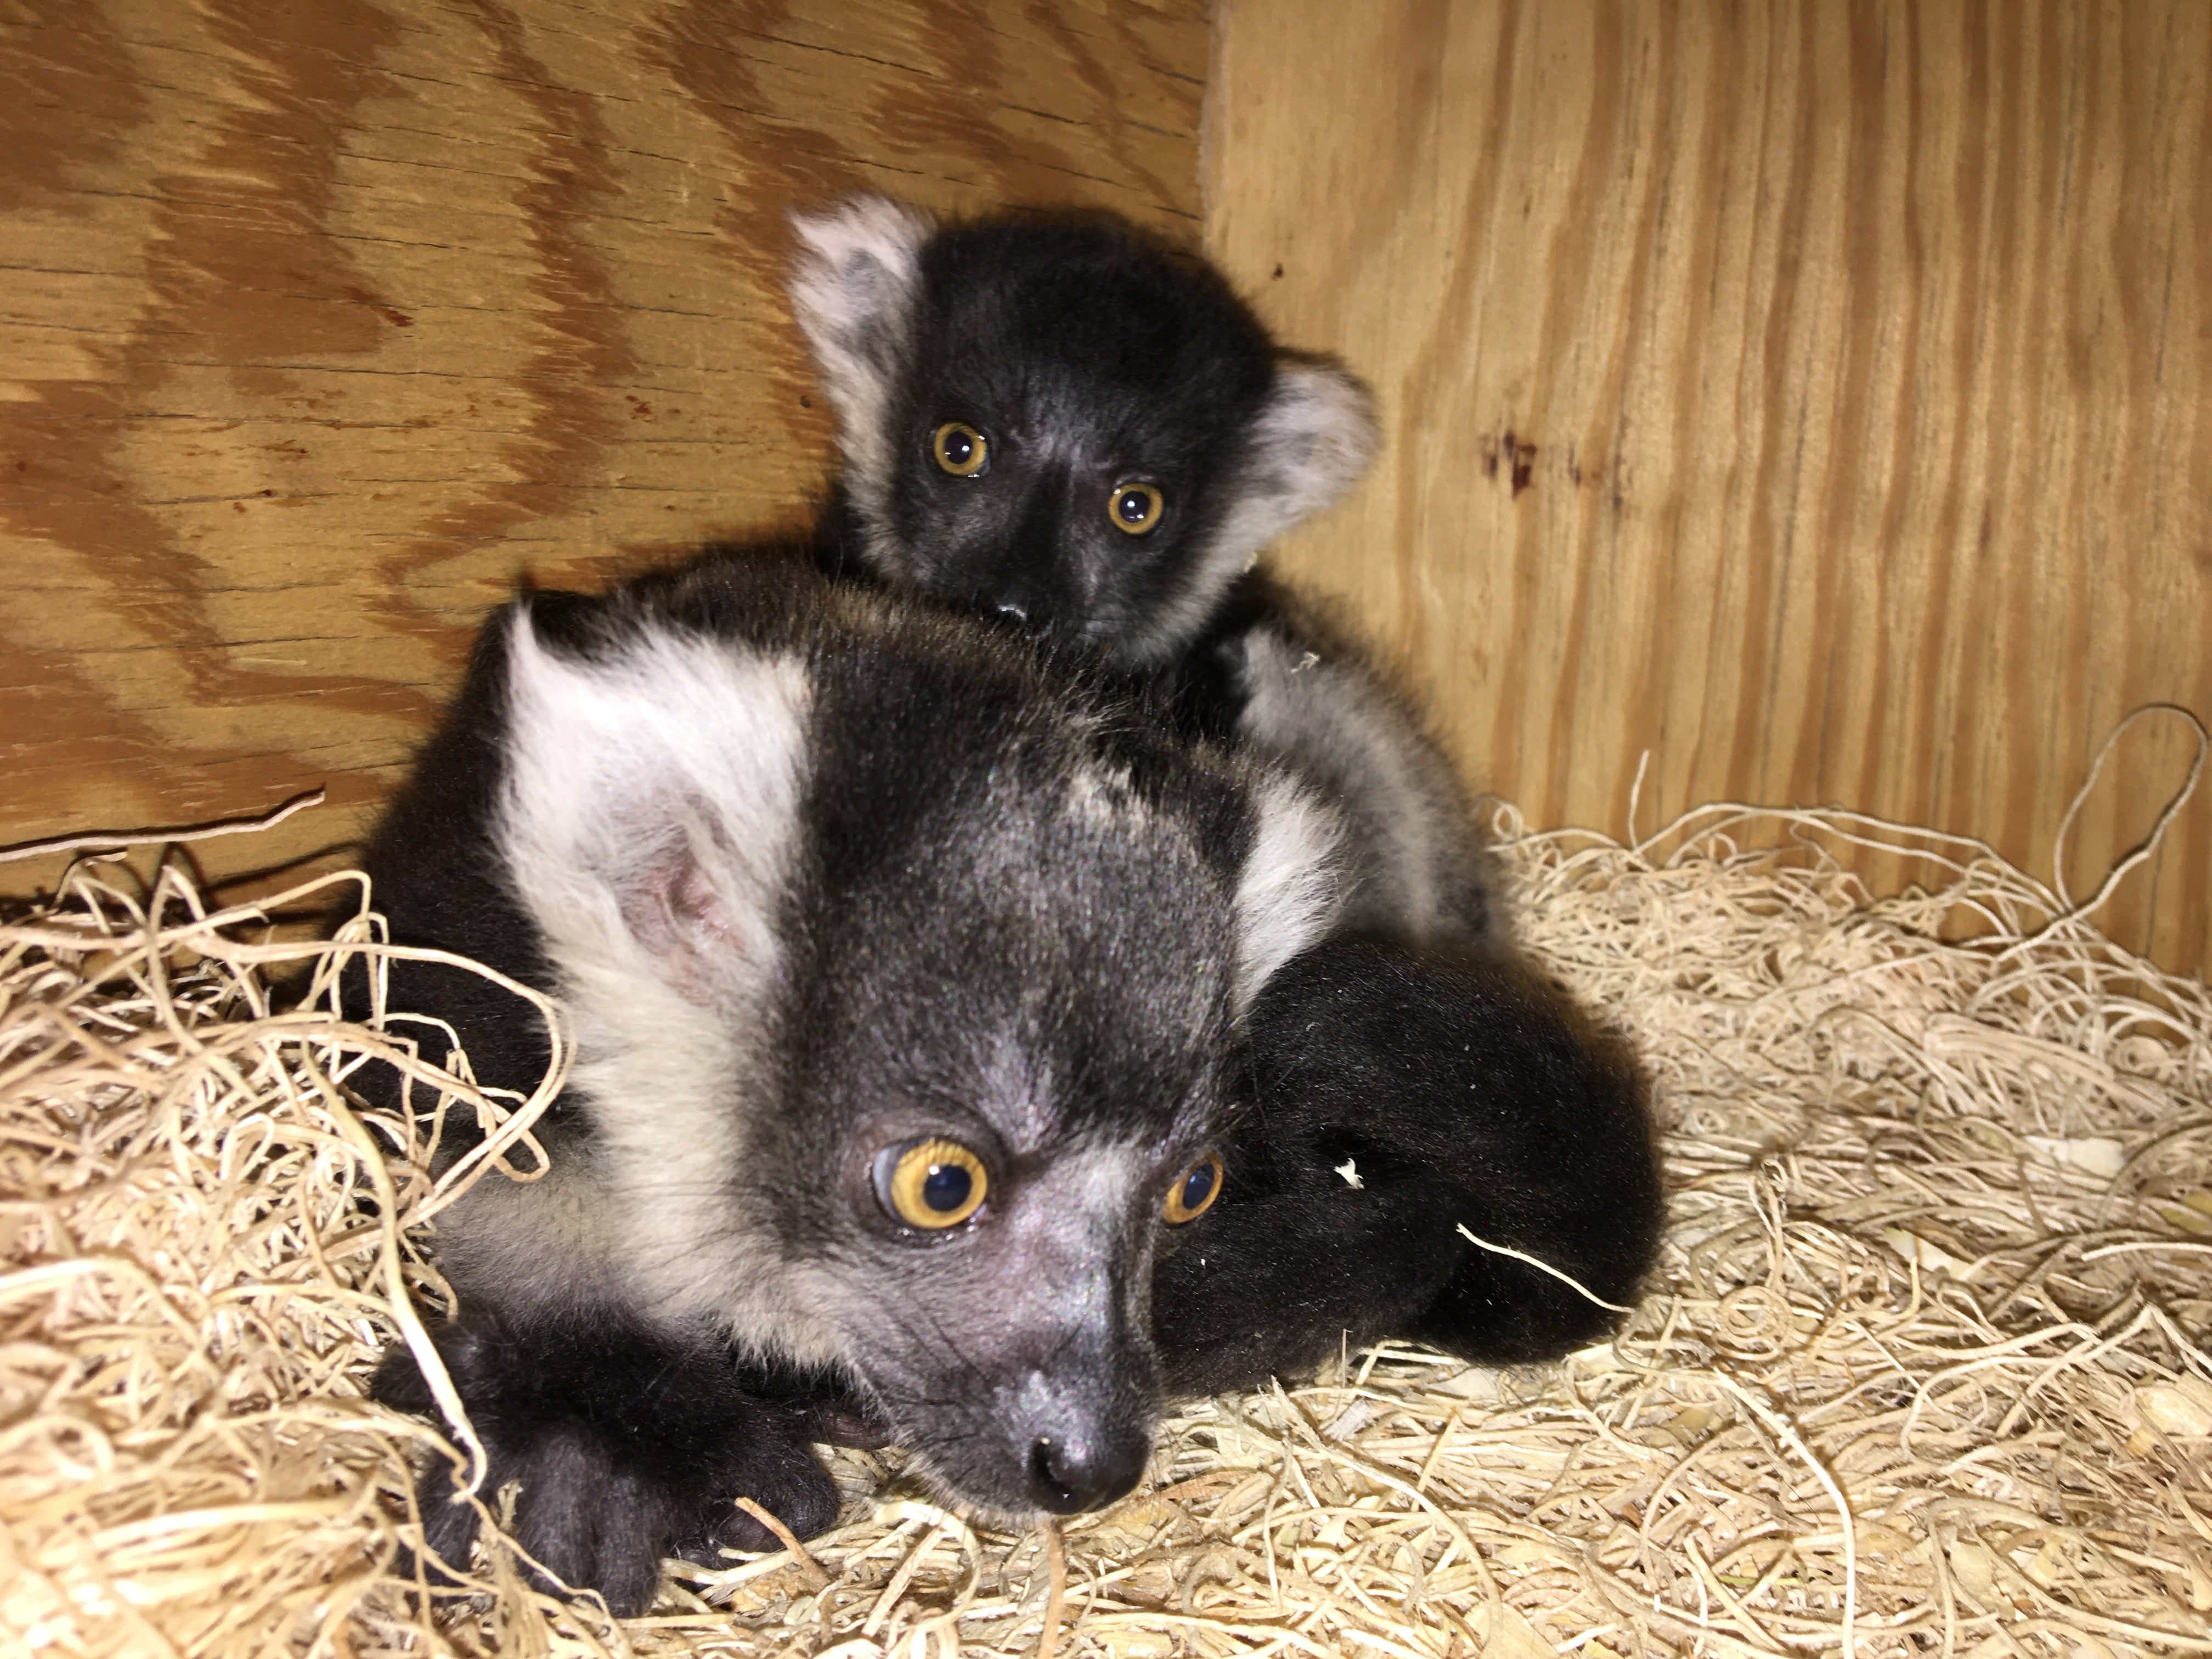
1455,1093
1091,357
627,1447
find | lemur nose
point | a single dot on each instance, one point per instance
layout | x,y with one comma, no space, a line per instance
1065,1476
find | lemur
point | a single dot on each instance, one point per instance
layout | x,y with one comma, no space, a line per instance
978,1045
900,981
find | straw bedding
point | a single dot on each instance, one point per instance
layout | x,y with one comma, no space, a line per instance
1923,1368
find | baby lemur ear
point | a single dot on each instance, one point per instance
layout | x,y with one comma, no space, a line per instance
1293,883
853,290
1313,437
651,804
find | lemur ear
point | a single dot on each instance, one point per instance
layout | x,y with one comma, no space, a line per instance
1315,438
1293,884
650,808
852,290
1309,440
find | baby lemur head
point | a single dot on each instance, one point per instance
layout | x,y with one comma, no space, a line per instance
1056,422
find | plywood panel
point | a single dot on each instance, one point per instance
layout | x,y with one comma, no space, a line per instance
1818,397
319,323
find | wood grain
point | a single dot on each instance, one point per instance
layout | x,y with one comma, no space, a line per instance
321,324
1818,397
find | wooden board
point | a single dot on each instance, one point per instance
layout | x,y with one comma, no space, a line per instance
1817,398
319,324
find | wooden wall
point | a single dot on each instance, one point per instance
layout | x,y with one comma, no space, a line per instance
1813,396
319,322
1816,396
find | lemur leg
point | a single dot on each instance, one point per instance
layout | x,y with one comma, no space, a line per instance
627,1445
1405,1100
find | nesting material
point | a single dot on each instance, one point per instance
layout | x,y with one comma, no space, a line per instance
1923,1368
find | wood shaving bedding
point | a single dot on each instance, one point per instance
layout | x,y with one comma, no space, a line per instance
1923,1368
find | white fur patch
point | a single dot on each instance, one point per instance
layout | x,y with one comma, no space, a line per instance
852,291
1315,438
1291,887
648,824
1102,795
1312,441
1409,848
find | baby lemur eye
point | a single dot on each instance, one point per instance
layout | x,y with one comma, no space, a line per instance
931,1183
1194,1191
1135,508
960,449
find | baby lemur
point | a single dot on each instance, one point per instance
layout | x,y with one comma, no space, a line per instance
1055,422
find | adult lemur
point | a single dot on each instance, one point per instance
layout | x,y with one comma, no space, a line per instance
1053,422
902,983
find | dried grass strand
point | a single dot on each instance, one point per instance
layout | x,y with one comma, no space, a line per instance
1056,1603
1542,1266
268,820
783,1535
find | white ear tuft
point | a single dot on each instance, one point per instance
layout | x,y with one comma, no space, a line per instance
650,809
1315,439
855,275
648,820
1292,887
1312,441
853,292
1313,436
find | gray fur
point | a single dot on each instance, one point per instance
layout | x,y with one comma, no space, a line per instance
1312,440
1418,870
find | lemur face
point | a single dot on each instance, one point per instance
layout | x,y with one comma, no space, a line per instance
1070,432
902,986
1058,425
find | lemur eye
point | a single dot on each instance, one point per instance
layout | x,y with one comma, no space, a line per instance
1135,508
960,449
931,1183
1194,1190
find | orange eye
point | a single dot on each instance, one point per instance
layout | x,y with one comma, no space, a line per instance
1194,1191
931,1183
1135,508
960,449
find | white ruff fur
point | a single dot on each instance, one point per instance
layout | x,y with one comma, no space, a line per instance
1339,731
648,823
1291,888
853,292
